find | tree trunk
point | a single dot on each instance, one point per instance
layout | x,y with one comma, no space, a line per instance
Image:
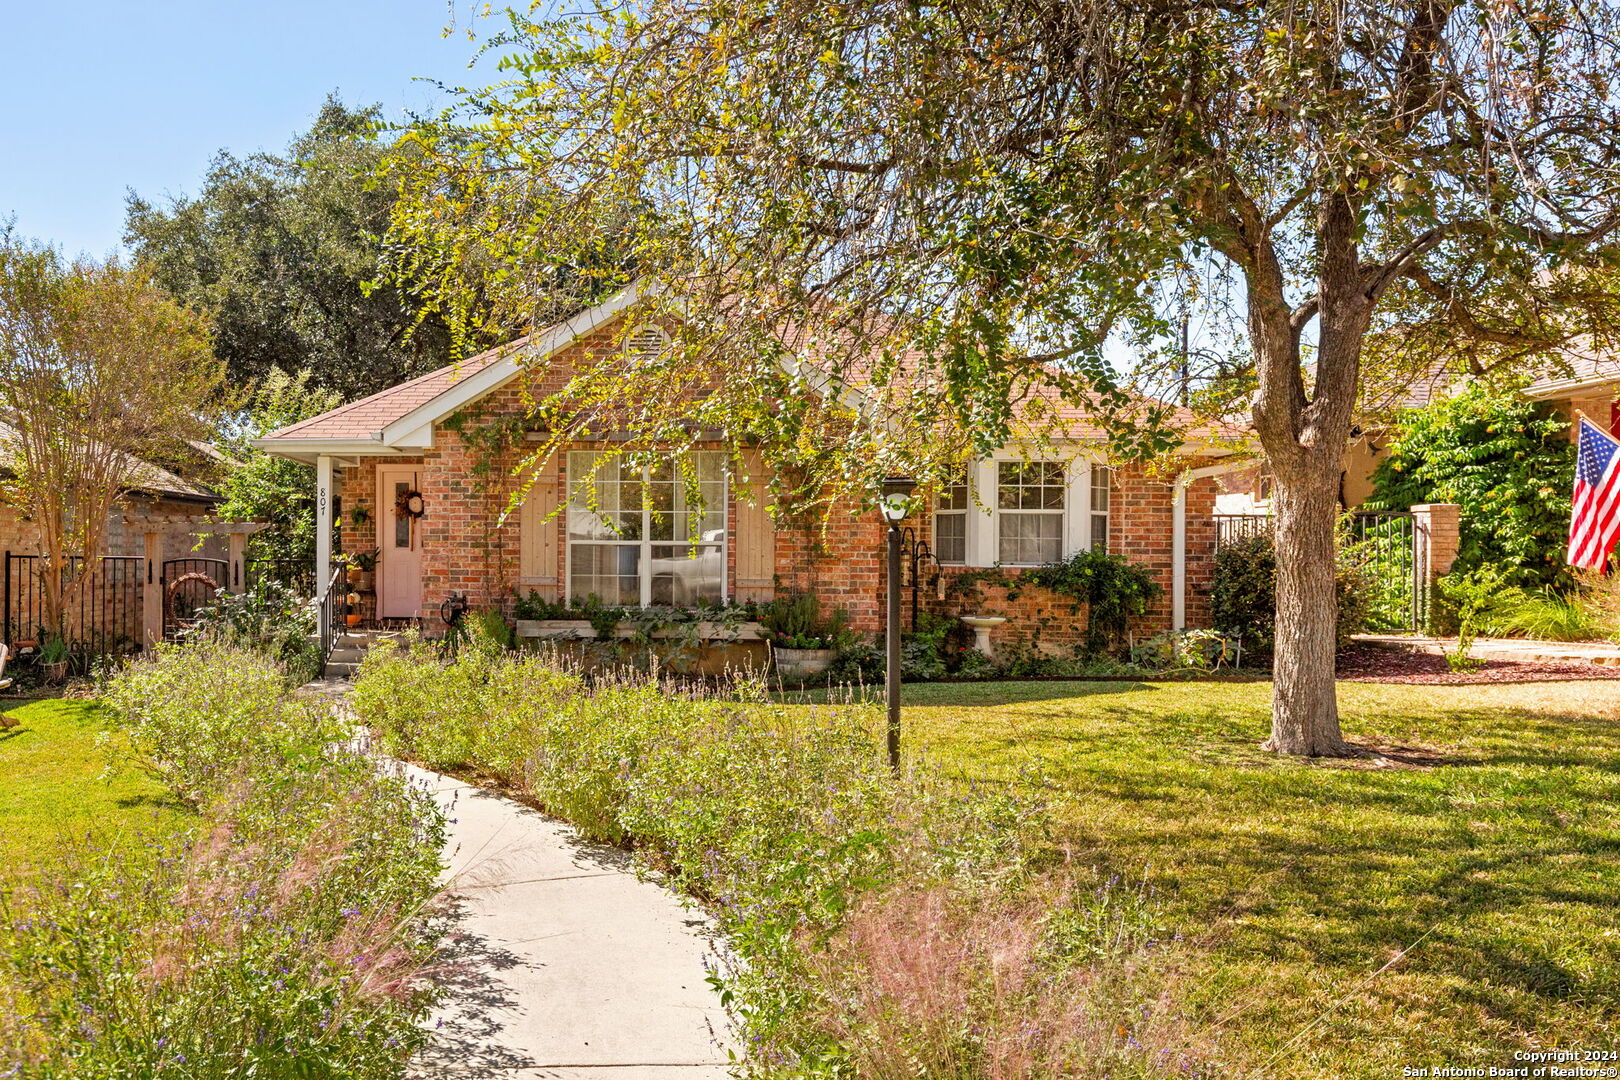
1305,709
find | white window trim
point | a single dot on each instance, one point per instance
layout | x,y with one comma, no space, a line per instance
1108,514
966,514
646,542
984,531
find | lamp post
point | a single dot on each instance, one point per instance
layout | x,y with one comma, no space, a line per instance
895,506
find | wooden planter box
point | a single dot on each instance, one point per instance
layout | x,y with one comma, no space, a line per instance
581,630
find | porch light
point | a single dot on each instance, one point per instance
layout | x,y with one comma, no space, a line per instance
895,506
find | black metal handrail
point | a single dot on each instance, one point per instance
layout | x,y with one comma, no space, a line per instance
326,607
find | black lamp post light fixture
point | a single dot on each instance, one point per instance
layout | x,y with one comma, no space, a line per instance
895,506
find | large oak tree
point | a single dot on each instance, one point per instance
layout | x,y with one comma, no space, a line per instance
283,252
989,190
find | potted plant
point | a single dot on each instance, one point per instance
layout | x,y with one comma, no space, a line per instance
800,656
53,659
803,643
351,615
362,577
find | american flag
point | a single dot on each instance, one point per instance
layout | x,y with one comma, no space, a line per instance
1595,523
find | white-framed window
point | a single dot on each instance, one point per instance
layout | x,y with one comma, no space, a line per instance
1264,484
951,522
640,536
1102,483
1031,499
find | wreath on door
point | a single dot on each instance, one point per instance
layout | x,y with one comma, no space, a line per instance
410,504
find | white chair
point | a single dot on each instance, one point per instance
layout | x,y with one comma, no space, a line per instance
5,654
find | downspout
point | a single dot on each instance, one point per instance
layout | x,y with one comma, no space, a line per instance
1178,536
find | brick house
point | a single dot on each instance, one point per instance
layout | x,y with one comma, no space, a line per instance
166,516
382,459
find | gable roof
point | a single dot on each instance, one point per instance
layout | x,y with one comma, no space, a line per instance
400,420
368,417
151,481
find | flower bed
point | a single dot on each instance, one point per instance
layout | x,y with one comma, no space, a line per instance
289,937
877,925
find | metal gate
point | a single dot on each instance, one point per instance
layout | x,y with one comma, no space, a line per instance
189,584
1384,546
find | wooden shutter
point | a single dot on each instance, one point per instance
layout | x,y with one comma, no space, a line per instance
755,533
539,530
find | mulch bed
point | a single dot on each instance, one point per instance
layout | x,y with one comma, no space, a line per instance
1373,664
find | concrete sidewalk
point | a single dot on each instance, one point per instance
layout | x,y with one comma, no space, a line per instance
568,966
1517,649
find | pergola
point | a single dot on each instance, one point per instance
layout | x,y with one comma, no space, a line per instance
235,581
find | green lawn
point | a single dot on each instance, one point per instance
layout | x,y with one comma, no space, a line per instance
54,784
1495,851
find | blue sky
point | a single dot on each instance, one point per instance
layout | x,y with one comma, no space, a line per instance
105,95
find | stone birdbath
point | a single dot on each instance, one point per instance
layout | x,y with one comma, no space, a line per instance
981,626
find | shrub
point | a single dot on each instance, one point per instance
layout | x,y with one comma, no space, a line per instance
1114,589
1506,461
1470,593
197,715
288,937
270,616
796,621
789,825
1243,597
1546,615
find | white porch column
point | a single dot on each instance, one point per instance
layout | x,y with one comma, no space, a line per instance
1178,567
323,522
1178,538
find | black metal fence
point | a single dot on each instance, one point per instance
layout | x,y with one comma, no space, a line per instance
1383,546
102,609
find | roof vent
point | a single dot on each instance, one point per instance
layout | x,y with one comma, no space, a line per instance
645,343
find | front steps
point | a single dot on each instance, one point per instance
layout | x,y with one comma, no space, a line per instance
350,648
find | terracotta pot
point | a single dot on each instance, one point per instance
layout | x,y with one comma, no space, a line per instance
802,663
54,673
24,643
352,619
353,575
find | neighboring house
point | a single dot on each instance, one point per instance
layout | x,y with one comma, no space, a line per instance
1588,385
375,456
108,614
161,499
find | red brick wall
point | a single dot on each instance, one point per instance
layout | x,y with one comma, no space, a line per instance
839,556
126,529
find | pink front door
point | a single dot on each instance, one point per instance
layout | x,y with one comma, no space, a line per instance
399,543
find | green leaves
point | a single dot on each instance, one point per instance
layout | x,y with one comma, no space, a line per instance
1506,460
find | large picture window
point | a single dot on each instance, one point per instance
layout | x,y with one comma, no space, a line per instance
1030,498
640,536
950,522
